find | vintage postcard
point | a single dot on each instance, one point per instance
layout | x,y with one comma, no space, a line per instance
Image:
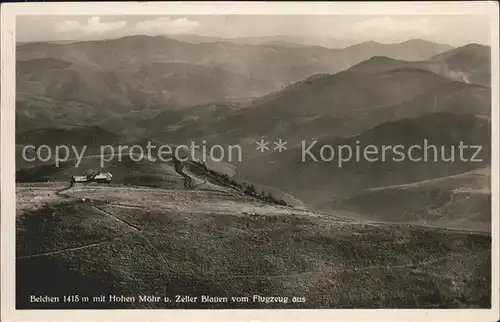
267,161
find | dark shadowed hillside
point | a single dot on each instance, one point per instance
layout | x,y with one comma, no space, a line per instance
317,182
78,136
62,142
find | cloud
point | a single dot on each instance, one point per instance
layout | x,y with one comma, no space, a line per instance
92,26
394,26
166,25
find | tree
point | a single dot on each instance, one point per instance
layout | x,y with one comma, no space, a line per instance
250,190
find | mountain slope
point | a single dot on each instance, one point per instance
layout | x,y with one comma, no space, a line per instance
472,62
129,241
459,201
130,53
119,78
411,50
43,145
77,135
190,84
65,81
469,64
342,104
156,86
317,182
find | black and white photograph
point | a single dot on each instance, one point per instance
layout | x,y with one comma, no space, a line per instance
222,161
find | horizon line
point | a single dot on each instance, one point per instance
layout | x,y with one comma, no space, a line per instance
232,39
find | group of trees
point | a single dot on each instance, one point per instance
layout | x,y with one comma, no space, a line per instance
248,189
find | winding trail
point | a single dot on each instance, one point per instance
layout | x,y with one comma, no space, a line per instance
179,168
108,214
60,191
135,228
70,249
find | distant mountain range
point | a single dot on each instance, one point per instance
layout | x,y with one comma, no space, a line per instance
373,92
288,40
154,74
224,92
469,64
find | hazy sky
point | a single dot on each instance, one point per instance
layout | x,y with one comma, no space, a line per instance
454,30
